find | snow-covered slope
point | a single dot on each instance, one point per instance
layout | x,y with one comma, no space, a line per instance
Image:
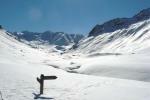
20,65
119,36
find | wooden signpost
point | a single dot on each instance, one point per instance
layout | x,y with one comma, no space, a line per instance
41,81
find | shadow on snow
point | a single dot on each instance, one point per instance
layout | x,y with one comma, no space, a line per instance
38,96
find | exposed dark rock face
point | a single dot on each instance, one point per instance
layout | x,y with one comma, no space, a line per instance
55,38
119,23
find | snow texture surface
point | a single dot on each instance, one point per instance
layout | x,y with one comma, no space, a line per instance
20,65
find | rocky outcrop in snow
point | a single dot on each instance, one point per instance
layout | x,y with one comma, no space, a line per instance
120,23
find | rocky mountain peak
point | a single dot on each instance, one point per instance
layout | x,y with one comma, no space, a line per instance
119,23
142,15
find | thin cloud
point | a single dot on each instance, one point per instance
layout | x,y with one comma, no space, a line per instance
35,14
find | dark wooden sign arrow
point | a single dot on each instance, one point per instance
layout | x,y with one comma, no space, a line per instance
41,81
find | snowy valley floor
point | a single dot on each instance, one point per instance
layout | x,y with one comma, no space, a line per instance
18,82
20,65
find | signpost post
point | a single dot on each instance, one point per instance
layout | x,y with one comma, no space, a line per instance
41,81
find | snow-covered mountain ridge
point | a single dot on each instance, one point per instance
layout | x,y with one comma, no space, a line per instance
120,23
129,37
48,39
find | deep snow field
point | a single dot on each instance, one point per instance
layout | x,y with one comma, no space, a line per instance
80,77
